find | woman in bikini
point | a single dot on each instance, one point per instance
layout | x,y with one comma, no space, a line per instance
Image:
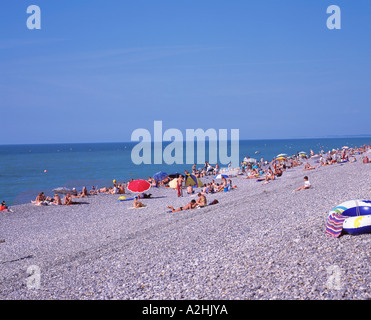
189,206
202,202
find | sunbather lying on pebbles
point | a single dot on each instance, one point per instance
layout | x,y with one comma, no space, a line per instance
191,205
308,167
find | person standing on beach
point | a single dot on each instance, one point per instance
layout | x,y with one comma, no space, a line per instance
179,184
217,168
194,168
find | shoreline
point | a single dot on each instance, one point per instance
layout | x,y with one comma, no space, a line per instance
24,187
259,242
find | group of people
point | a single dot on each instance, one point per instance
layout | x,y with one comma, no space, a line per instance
258,170
259,173
193,204
42,200
275,169
207,169
117,188
213,187
343,155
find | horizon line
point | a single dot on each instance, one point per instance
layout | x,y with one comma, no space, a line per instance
195,140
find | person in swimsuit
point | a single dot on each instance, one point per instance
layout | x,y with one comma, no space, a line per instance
189,206
179,186
68,200
137,203
57,199
202,202
308,167
194,169
93,191
39,199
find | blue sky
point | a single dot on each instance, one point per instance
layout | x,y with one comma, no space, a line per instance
97,70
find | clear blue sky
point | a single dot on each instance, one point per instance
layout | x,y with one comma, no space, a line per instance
97,70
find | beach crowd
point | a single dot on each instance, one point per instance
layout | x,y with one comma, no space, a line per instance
250,168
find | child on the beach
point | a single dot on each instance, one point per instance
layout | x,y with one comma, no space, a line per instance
307,184
190,189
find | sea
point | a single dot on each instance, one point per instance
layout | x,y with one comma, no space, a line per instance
26,170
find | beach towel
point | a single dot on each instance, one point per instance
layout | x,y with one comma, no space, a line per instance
335,224
137,208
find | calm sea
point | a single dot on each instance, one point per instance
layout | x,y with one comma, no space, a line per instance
23,176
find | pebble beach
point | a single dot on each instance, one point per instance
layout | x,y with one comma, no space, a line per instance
261,241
